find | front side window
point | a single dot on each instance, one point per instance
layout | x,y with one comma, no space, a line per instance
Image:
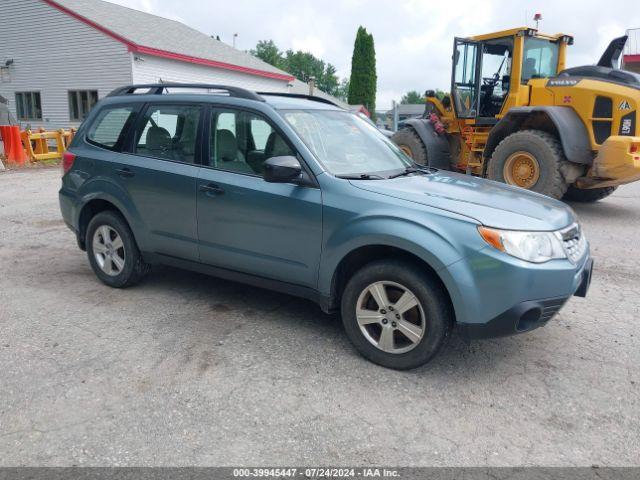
28,106
242,141
345,144
169,132
81,102
540,59
110,126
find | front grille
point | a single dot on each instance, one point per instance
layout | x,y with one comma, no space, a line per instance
574,242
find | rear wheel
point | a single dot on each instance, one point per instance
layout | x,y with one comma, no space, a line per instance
112,251
530,159
587,195
396,315
409,142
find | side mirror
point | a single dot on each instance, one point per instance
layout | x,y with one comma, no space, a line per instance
283,169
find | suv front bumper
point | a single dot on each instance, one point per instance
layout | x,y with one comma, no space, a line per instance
528,315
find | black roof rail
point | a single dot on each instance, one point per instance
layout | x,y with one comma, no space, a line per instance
159,89
303,96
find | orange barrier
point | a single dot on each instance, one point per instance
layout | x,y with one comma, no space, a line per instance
37,144
13,148
67,136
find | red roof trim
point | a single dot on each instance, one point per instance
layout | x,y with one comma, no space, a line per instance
210,63
133,47
631,58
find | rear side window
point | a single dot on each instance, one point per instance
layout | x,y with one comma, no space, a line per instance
169,132
110,126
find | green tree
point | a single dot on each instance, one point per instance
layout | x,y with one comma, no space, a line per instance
412,97
363,81
440,94
302,65
267,51
342,90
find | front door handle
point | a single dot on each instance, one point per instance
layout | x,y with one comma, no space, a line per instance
125,172
212,188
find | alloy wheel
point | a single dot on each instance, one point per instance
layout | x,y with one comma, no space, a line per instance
390,317
108,250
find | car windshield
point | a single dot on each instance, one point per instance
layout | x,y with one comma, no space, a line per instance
346,145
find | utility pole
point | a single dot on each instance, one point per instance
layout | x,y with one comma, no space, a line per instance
394,106
235,35
312,85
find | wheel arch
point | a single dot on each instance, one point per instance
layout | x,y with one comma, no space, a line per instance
438,149
360,256
563,122
94,204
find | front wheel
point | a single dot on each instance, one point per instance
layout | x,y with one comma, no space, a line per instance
396,315
587,195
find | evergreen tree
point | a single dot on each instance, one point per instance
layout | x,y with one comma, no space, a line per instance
362,84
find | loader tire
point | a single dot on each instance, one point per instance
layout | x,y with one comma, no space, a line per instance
411,144
530,159
587,195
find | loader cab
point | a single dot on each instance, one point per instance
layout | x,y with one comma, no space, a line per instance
488,68
481,76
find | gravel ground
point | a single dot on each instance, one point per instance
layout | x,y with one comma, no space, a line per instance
190,370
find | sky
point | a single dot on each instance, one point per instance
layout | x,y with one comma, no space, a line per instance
413,38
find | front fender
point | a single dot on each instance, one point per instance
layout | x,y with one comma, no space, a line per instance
431,245
571,130
438,151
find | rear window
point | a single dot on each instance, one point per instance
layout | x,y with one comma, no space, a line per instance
109,126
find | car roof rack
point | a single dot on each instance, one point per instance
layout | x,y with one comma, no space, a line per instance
160,88
302,96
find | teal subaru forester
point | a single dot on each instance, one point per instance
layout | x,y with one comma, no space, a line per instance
295,194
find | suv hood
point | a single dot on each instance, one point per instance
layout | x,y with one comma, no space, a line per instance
491,203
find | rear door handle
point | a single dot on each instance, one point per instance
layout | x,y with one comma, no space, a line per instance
125,172
212,188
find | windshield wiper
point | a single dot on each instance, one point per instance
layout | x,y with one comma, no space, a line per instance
406,171
416,168
361,176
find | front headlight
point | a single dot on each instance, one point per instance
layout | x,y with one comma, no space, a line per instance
535,247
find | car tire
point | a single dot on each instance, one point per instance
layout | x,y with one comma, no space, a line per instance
587,195
112,250
411,144
533,148
432,303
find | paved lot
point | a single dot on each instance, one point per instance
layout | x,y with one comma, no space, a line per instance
186,369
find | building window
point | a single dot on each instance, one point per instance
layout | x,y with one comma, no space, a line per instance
28,106
80,103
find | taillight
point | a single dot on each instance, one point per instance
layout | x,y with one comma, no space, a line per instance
67,161
634,148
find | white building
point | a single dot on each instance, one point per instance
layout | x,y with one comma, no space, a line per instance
58,57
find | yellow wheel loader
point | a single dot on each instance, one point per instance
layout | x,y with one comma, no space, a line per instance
516,115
